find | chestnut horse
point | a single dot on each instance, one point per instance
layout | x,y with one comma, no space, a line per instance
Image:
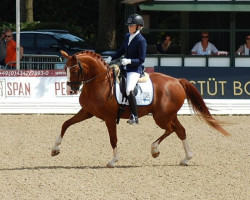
97,99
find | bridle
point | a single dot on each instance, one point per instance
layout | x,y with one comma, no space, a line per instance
71,83
81,72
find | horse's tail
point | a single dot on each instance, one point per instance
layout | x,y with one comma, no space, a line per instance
198,105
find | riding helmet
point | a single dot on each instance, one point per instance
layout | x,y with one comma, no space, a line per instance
135,19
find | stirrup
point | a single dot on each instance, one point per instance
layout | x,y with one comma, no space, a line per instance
133,120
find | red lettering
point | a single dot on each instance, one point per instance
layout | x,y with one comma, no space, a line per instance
27,89
15,88
63,88
21,90
9,88
57,87
60,88
18,89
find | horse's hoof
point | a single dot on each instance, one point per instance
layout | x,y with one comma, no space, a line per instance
183,164
110,165
155,155
55,152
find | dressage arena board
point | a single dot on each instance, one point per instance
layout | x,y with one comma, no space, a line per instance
45,92
219,169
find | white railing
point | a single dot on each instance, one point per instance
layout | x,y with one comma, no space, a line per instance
51,62
38,62
195,61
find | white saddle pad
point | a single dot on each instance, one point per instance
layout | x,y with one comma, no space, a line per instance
144,96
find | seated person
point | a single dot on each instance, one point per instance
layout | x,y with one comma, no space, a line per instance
204,47
245,48
166,46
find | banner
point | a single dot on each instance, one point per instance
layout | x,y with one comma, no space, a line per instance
225,91
39,88
214,82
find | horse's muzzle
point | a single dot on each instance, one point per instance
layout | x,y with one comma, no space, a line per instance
72,91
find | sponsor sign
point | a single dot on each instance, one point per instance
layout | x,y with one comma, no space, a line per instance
214,82
226,90
43,85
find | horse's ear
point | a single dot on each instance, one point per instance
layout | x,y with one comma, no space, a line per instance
64,54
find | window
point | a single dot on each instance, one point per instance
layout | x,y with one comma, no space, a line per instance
27,40
45,41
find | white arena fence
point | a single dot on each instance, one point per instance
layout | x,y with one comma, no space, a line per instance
40,88
39,62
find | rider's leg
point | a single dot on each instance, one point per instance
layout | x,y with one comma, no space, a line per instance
132,79
133,108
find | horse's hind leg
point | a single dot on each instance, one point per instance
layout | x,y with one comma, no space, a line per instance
154,146
80,116
181,133
173,126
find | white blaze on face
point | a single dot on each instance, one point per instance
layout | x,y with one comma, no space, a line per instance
68,79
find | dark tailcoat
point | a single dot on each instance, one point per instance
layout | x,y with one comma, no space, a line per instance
136,51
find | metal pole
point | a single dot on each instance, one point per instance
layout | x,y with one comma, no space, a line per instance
18,34
232,39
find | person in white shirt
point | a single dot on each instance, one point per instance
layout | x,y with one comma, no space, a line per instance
204,47
245,48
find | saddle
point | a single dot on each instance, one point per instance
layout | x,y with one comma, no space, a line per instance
121,79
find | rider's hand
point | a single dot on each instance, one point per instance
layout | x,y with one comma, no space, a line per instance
108,60
125,61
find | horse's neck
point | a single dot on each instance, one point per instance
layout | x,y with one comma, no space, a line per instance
94,68
93,65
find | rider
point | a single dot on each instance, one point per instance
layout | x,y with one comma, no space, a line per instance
134,51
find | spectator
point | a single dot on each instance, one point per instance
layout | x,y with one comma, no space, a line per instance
245,48
10,58
2,50
204,47
166,46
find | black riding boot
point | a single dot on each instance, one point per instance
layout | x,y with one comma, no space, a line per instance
133,108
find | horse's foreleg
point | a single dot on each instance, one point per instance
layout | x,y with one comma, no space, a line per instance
111,164
111,125
80,116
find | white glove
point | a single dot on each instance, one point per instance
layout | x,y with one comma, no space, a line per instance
108,59
125,61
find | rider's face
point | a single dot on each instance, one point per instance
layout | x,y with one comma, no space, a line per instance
132,29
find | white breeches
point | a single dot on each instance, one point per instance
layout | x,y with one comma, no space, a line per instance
132,79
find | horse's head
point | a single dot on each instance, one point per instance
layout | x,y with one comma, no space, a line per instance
74,72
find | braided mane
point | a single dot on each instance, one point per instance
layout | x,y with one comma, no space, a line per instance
91,54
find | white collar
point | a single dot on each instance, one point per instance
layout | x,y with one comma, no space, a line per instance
131,37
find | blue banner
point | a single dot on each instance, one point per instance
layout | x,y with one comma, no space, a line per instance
214,82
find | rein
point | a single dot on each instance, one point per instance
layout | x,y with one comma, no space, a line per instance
87,81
